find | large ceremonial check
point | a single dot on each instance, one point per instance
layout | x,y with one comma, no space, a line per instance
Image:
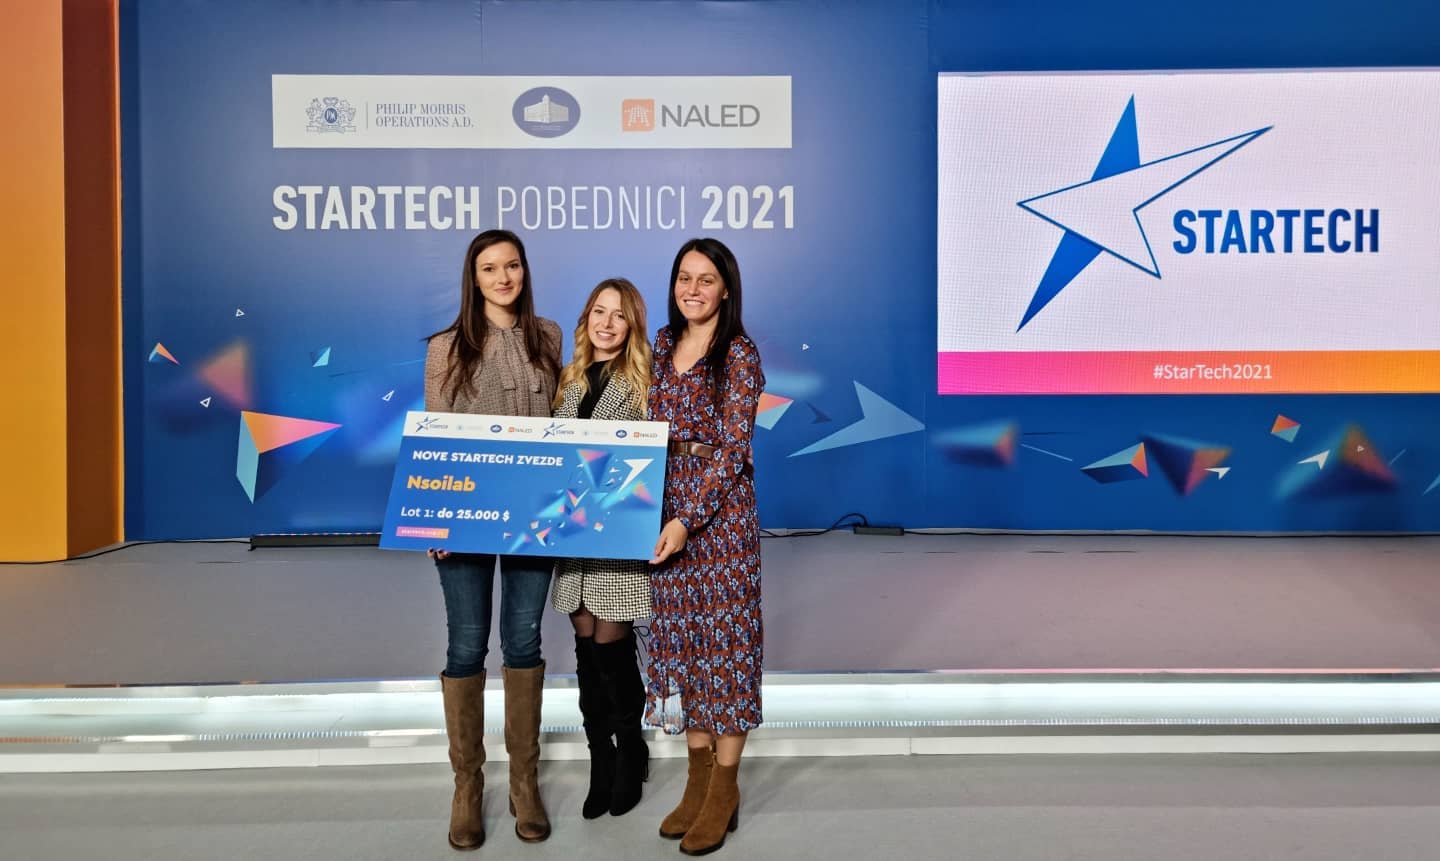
528,486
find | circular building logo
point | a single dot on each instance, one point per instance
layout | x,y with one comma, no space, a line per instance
546,112
621,433
495,428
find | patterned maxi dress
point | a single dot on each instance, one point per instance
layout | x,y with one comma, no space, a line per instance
706,645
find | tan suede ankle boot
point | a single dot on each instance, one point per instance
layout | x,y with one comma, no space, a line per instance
702,759
719,815
465,725
522,741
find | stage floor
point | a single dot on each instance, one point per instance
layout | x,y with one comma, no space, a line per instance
205,613
1132,808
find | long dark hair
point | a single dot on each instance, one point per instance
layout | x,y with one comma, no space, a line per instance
470,326
728,326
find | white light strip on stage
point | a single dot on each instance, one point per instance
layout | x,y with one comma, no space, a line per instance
252,726
272,711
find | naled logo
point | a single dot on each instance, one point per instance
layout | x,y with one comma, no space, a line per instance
641,115
637,115
330,114
546,112
428,423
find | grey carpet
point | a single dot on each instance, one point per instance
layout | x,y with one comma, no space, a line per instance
213,613
1182,808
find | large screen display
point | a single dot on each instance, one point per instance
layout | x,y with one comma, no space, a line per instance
1171,233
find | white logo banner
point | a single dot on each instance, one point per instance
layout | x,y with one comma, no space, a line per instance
508,112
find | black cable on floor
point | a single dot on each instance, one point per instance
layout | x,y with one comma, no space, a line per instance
129,544
811,533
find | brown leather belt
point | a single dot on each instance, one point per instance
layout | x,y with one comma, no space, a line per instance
698,449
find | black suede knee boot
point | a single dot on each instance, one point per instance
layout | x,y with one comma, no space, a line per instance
621,671
595,710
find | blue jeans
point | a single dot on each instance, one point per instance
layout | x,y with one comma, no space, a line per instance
468,580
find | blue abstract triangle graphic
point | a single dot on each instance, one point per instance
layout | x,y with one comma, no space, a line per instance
881,419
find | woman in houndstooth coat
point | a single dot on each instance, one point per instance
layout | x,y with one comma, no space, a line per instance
608,378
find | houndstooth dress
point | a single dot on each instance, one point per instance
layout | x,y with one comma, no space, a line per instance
616,590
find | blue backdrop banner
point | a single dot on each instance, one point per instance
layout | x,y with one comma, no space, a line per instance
296,213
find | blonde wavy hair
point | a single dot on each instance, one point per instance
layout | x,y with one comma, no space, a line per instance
633,363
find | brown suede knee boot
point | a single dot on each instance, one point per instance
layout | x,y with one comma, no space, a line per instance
674,826
719,815
522,740
465,726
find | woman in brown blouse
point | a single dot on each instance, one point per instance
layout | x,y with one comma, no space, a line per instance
497,358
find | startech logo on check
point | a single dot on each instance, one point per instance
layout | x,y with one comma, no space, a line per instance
557,432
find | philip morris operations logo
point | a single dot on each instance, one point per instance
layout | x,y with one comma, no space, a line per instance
637,115
1102,213
330,114
546,112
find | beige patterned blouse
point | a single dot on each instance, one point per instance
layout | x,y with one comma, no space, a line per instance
505,384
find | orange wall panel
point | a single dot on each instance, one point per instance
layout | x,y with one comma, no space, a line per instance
32,271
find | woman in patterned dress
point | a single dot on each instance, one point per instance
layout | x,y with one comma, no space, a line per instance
608,378
497,358
705,649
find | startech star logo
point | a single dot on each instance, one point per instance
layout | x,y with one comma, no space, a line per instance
1102,214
